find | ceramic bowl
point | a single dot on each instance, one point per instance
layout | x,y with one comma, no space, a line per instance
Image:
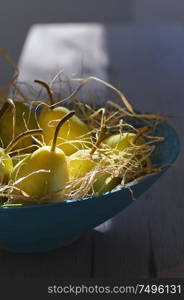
41,228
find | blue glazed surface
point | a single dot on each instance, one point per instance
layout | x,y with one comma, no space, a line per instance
40,228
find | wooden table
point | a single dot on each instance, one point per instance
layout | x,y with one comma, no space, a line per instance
147,239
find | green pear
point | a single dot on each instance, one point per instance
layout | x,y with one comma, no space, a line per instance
105,184
123,141
23,114
119,142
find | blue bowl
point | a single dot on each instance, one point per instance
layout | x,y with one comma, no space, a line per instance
41,228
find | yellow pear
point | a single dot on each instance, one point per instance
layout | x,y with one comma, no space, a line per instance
23,114
80,163
118,142
123,141
44,171
6,163
74,134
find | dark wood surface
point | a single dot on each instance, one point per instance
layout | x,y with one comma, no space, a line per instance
146,239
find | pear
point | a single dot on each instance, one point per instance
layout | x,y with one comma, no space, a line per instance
74,129
123,141
105,184
83,161
22,113
6,163
80,163
74,134
126,142
118,142
44,171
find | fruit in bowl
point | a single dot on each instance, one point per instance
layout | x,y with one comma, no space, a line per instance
44,171
16,117
45,227
74,130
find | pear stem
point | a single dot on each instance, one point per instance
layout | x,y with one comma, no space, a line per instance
61,122
48,90
22,136
141,132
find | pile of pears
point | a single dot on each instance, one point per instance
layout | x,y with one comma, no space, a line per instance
62,152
